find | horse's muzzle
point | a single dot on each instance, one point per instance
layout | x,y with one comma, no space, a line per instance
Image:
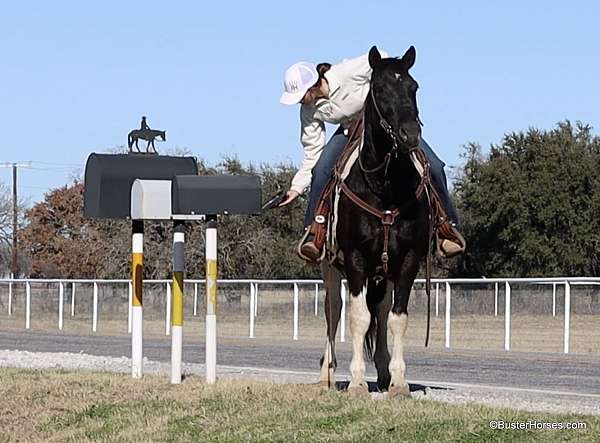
411,135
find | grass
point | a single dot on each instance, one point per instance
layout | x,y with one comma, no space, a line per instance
67,406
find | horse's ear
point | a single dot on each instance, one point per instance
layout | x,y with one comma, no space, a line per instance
374,57
409,57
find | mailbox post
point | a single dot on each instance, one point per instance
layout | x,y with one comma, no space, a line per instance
144,188
109,182
211,299
213,196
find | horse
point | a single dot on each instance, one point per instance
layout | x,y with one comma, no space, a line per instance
145,134
382,231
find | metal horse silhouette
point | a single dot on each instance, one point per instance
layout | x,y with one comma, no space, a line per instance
145,133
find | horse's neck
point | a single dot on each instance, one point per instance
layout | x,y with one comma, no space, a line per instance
396,185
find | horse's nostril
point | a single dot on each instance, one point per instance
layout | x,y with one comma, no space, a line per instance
404,134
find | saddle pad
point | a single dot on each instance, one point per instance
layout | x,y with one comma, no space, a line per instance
331,232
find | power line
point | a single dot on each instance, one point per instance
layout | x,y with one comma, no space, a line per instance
74,165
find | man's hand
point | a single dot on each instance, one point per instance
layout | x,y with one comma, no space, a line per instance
290,196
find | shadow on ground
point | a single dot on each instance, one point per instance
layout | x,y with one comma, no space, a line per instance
414,387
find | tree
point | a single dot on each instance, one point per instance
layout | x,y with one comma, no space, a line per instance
531,207
6,228
58,240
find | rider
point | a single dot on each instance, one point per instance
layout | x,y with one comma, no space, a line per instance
144,125
336,94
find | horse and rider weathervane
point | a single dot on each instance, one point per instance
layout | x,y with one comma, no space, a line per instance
145,133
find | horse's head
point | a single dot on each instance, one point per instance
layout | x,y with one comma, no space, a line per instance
394,97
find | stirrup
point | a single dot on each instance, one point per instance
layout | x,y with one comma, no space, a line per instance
449,242
303,254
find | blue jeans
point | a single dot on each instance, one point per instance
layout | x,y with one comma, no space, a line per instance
322,171
333,149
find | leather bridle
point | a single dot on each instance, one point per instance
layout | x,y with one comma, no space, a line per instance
398,138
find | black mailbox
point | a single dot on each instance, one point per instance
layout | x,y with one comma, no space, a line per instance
108,180
216,194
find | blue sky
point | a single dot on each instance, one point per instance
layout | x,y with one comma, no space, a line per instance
75,77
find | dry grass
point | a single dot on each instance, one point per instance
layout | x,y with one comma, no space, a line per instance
83,406
539,333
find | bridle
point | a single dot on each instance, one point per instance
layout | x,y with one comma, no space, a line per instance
398,138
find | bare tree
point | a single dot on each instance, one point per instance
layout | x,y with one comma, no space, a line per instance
6,226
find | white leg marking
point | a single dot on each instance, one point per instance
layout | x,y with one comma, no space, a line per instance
359,324
327,376
397,326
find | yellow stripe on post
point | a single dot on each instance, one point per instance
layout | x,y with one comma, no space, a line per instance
211,286
177,302
137,266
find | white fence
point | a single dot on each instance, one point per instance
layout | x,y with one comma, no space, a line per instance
253,288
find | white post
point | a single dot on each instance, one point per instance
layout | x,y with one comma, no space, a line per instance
168,311
447,316
251,334
567,315
95,308
437,299
72,299
27,305
316,299
507,317
553,299
177,292
61,300
195,299
10,299
343,315
129,295
255,299
137,309
296,295
211,299
496,300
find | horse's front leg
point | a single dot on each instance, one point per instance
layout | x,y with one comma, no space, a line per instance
397,323
333,309
360,318
382,354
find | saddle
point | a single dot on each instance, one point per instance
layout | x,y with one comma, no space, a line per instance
324,223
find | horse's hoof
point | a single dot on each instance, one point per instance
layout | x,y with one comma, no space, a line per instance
358,389
383,383
399,391
326,385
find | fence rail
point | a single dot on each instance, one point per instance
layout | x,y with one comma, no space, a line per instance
253,286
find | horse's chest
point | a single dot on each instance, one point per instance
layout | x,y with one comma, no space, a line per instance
368,235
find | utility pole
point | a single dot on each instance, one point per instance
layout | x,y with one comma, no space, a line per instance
15,264
15,166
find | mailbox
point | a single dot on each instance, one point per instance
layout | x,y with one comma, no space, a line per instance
151,200
109,178
216,194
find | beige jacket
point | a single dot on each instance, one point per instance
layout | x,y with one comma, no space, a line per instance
349,83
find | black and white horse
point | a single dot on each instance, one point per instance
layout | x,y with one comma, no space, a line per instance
380,262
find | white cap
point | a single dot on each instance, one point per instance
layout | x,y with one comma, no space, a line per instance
297,80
